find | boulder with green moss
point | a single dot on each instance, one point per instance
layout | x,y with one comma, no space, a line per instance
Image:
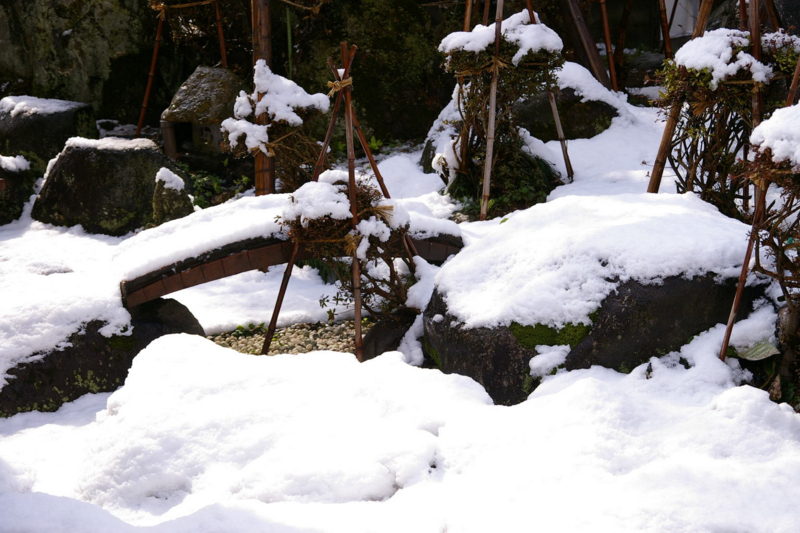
38,128
91,363
107,186
636,322
580,118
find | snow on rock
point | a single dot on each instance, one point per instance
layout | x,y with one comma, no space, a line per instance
555,262
14,164
577,77
781,134
110,143
170,179
30,105
548,358
280,97
714,52
530,38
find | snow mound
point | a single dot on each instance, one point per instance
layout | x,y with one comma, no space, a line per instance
554,263
530,38
30,105
781,134
577,77
111,143
14,164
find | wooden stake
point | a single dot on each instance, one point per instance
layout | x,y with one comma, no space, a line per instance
468,16
675,111
487,164
262,49
223,54
743,23
587,42
273,323
485,12
351,173
609,48
793,88
152,74
662,4
622,32
755,40
339,96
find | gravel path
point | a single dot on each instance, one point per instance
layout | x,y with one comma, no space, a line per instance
297,338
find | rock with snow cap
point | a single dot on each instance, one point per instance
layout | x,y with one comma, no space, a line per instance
16,186
107,186
37,128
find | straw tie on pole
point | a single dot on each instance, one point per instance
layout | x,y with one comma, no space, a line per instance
338,85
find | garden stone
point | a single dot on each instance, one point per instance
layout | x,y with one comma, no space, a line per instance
107,186
170,203
16,187
206,98
632,325
37,128
581,120
93,363
385,335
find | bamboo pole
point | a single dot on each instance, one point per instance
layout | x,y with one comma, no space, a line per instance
743,23
662,5
262,49
793,89
289,38
675,111
222,52
152,74
273,323
485,12
672,13
587,41
609,49
487,164
774,19
755,41
339,97
554,109
351,173
468,16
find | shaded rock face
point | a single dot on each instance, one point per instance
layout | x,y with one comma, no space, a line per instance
631,326
16,188
206,98
170,204
385,335
93,363
789,12
581,120
108,191
39,137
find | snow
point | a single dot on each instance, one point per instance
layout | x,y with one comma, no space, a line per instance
714,52
278,97
318,199
780,134
530,38
30,105
111,143
548,358
170,179
14,164
576,77
554,263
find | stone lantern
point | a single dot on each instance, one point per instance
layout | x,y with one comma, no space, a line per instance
200,105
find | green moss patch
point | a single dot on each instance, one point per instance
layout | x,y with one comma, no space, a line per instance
431,352
539,334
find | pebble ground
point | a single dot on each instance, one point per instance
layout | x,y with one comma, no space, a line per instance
297,338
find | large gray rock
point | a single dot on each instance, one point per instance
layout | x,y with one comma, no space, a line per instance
93,363
107,185
206,98
37,128
632,325
16,187
580,120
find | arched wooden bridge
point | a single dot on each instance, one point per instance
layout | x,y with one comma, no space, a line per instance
238,257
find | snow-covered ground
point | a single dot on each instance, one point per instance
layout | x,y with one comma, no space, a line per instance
202,438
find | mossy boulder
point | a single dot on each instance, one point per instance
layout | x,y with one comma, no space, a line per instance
38,128
92,363
206,98
107,186
580,119
16,188
633,324
170,204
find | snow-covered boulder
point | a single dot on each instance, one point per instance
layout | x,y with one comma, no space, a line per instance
16,186
90,361
37,128
107,186
609,281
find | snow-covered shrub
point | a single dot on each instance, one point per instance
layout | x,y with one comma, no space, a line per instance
530,56
716,77
283,136
320,218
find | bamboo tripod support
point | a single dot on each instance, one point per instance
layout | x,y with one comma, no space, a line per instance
675,111
609,49
262,49
487,163
665,27
159,31
351,126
